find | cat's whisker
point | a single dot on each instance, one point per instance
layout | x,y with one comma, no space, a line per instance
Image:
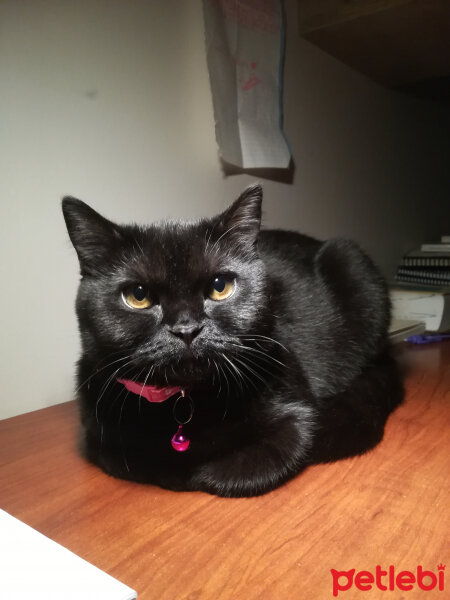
264,355
137,380
149,374
226,378
102,392
229,364
225,366
252,371
140,248
255,337
105,386
261,359
112,403
224,234
96,371
144,384
260,354
218,376
225,412
246,377
259,366
209,239
237,378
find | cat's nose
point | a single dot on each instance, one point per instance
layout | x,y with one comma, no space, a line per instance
186,332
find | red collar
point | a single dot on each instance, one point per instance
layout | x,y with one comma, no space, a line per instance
152,393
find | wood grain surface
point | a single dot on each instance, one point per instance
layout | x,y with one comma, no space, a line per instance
389,507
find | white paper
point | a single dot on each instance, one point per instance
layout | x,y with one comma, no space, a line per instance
244,44
34,567
428,308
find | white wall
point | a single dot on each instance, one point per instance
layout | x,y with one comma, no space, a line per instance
109,100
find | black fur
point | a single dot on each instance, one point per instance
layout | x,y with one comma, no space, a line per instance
290,370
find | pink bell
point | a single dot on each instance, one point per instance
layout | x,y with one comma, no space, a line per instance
180,442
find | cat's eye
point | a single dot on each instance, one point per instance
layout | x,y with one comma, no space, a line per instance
222,287
137,296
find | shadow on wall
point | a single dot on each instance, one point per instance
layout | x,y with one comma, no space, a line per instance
279,175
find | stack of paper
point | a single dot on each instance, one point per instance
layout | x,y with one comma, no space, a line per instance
33,567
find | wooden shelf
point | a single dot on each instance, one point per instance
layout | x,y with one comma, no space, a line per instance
394,42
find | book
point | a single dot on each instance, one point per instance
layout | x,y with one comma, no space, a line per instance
400,330
442,247
34,567
430,272
422,277
422,258
422,303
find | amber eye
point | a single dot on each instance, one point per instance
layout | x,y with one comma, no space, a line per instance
137,297
222,288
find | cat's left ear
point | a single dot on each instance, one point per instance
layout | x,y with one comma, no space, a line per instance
242,221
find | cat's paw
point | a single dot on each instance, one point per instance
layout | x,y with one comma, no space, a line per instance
220,480
250,471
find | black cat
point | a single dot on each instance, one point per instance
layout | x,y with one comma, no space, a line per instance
269,348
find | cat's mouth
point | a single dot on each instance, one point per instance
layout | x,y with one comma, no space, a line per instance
191,369
186,370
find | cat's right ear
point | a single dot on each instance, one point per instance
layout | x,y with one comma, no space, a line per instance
241,222
93,236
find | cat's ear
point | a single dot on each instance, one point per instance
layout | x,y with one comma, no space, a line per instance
93,237
242,221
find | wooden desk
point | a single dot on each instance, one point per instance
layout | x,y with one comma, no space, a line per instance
388,507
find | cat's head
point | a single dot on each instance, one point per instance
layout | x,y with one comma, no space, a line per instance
179,300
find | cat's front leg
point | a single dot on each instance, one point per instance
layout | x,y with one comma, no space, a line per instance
276,453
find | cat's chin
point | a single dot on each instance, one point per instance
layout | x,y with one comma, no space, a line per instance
186,371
